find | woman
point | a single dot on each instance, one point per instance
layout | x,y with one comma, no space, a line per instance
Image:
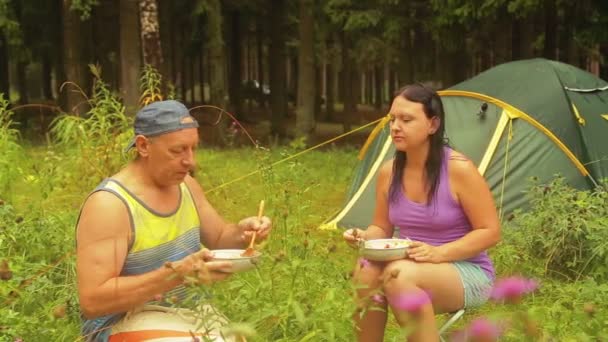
439,200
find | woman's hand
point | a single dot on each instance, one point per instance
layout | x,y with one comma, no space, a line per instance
354,236
422,252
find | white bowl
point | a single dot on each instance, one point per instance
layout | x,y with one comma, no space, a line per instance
240,263
384,249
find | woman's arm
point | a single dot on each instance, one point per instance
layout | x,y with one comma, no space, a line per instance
475,197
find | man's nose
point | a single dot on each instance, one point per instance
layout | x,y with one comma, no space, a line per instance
189,159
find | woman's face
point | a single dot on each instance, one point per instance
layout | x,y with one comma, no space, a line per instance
410,127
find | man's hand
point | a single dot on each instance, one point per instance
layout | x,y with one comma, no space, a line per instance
354,236
248,225
199,268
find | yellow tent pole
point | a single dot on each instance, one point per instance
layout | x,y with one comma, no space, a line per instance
500,128
373,135
368,178
516,113
504,171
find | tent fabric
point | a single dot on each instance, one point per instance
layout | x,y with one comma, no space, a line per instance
542,118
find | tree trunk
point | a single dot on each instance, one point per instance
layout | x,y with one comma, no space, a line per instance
379,85
192,74
183,78
330,97
549,50
260,52
104,40
318,92
174,28
201,73
391,82
167,39
406,70
348,80
217,59
22,82
150,34
72,59
130,55
277,61
236,57
568,48
523,37
4,67
47,76
305,118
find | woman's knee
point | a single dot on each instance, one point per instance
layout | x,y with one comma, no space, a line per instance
401,272
367,274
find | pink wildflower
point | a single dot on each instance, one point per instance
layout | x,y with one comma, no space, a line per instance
483,330
458,336
378,298
410,302
363,262
512,289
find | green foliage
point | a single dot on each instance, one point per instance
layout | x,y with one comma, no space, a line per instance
84,7
301,285
9,149
565,230
150,86
97,139
9,25
300,290
38,300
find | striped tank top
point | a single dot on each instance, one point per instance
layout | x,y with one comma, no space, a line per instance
157,238
437,223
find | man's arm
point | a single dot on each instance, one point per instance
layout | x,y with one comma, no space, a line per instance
102,245
215,231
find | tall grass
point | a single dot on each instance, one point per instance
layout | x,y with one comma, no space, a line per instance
10,151
94,142
301,288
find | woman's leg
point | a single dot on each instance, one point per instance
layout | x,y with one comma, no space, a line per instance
370,318
441,281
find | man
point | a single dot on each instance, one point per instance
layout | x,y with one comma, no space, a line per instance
140,231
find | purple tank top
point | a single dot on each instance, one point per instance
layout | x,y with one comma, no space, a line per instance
440,222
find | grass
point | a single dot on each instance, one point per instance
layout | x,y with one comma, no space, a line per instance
301,290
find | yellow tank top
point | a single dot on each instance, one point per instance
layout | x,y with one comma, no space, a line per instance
156,239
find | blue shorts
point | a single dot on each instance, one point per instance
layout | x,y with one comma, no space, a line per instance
476,283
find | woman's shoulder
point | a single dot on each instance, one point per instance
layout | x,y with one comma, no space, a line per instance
386,169
459,164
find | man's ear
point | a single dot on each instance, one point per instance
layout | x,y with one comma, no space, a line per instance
142,144
435,122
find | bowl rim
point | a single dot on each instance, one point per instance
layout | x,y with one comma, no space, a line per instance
364,247
237,250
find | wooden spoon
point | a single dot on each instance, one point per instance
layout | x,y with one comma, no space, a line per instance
250,251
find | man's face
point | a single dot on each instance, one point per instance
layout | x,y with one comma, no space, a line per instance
170,157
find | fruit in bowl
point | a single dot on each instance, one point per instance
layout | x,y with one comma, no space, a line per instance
240,263
384,249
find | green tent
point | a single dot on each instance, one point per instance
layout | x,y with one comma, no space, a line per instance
515,121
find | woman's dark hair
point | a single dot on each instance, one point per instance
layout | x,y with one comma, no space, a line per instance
432,106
